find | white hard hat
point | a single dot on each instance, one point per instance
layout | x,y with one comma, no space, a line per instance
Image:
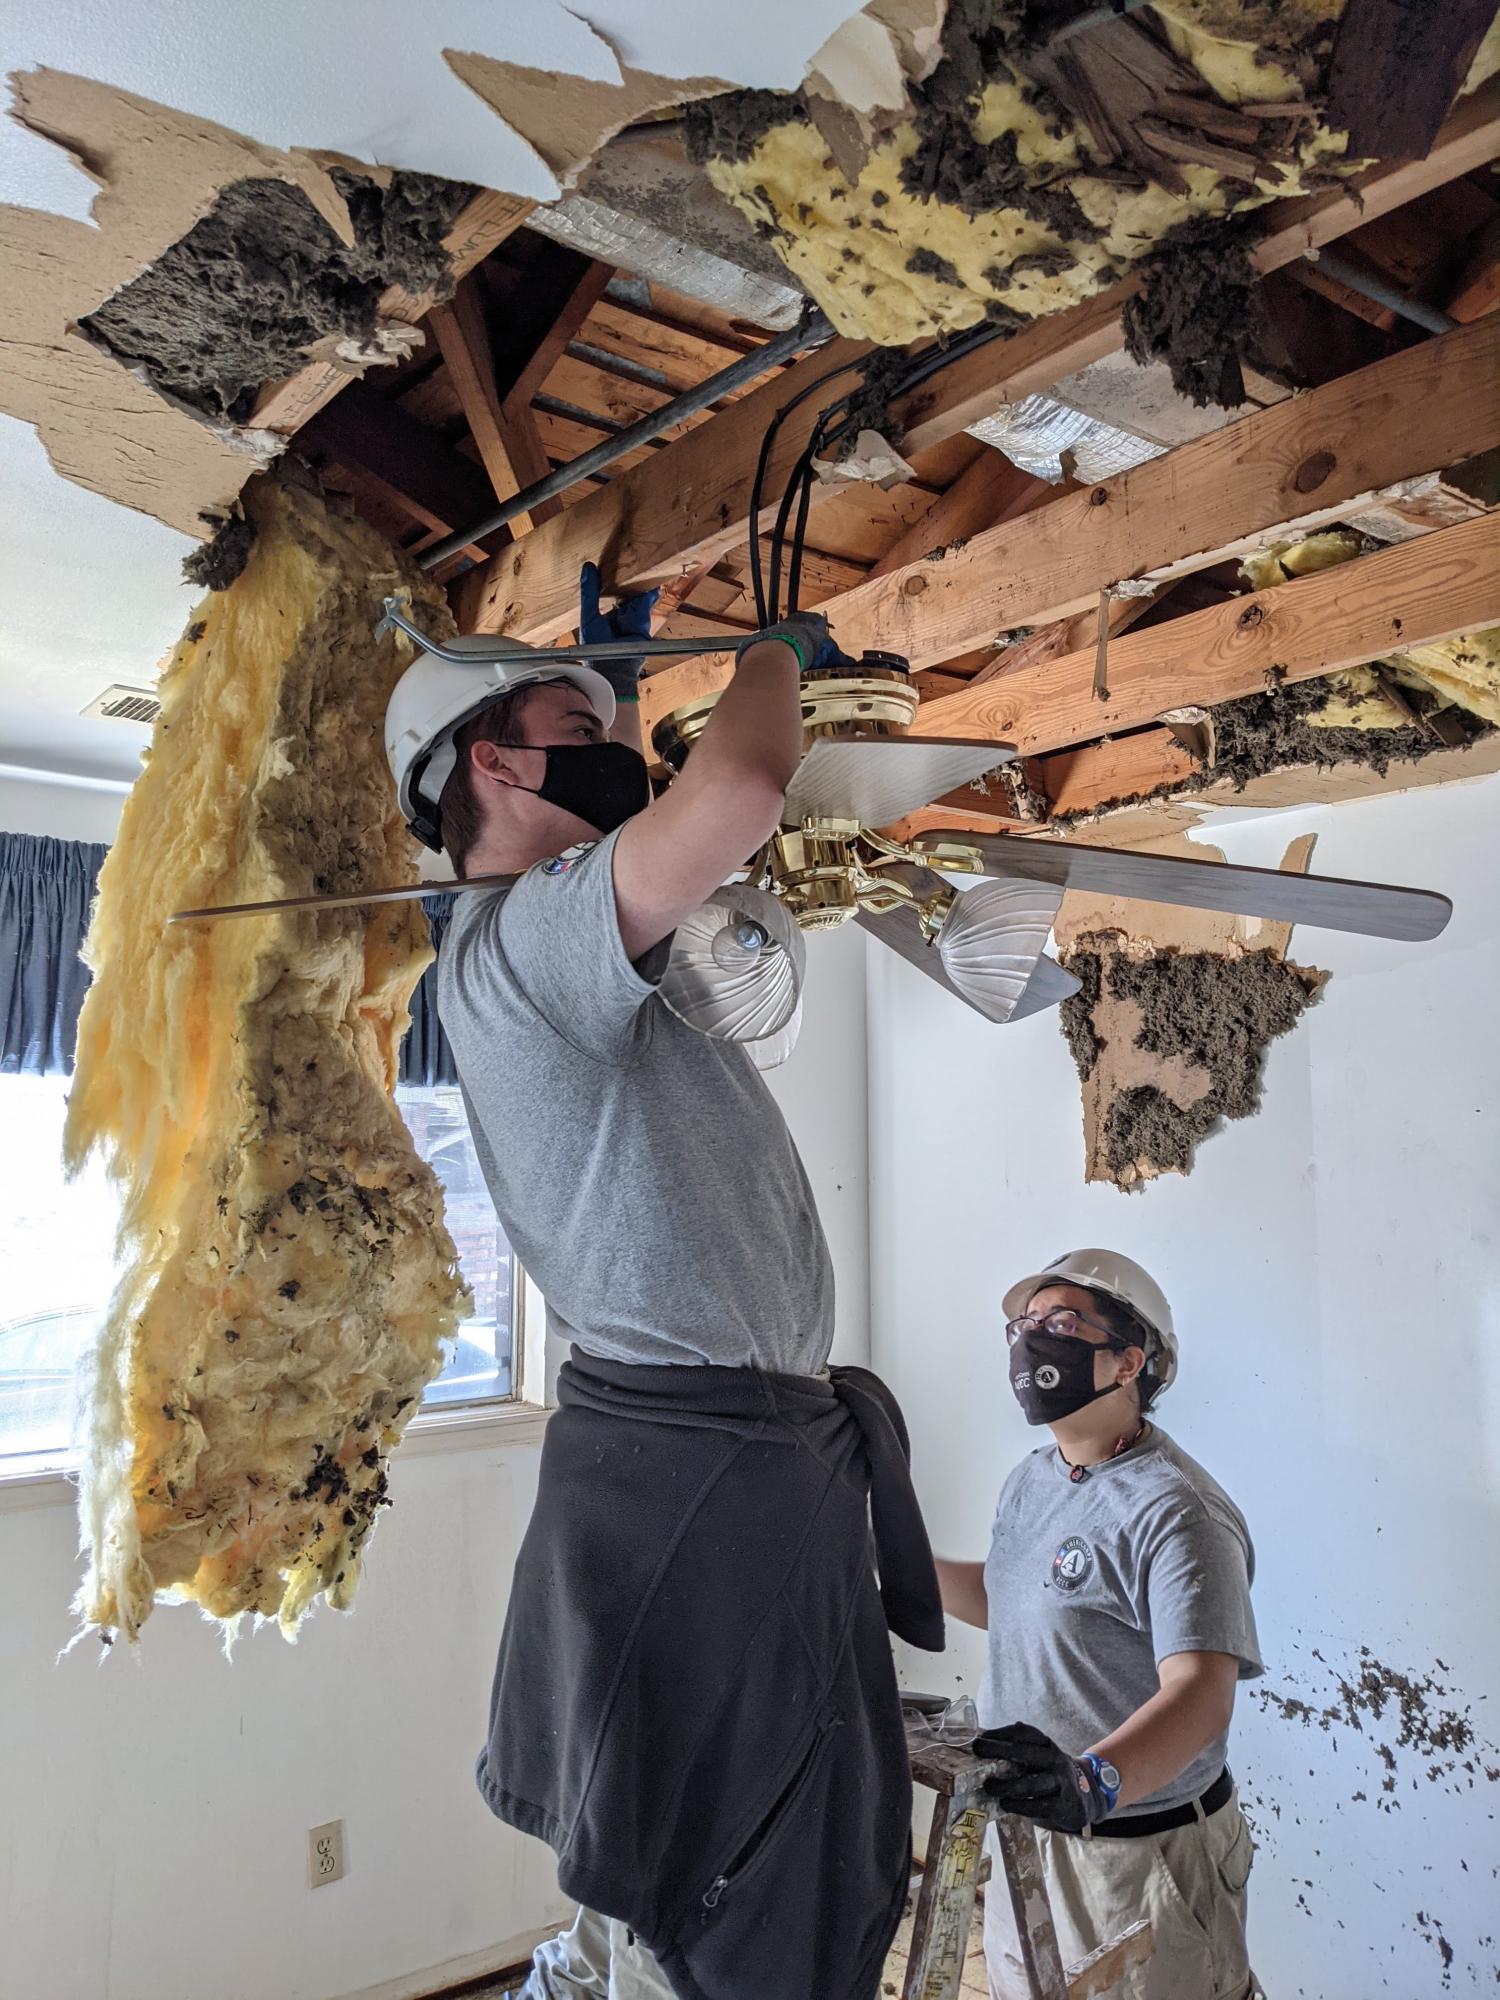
434,698
1119,1278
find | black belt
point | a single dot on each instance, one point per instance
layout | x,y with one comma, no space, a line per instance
1139,1825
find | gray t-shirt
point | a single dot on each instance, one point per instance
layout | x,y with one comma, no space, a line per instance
643,1173
1092,1582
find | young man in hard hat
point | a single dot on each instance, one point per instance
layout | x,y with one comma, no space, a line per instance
695,1702
1117,1601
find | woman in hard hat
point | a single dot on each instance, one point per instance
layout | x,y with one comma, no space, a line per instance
1117,1602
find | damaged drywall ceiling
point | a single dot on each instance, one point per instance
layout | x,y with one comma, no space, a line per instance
1175,1012
158,173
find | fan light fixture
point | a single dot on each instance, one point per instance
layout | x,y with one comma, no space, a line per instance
992,940
736,965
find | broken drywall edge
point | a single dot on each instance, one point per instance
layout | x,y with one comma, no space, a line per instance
158,171
1170,1045
564,119
1160,925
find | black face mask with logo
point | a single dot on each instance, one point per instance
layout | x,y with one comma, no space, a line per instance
1053,1374
603,784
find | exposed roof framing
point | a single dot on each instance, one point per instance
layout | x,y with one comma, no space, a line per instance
539,356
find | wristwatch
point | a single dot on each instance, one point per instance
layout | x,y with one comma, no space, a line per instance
1106,1779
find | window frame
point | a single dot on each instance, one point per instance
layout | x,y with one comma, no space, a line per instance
40,1478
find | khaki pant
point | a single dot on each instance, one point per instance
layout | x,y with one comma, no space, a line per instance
1190,1882
597,1959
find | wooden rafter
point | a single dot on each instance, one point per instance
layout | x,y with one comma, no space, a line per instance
504,433
1415,593
690,503
1308,460
989,491
1397,66
440,487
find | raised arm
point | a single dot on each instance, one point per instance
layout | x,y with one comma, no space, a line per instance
727,800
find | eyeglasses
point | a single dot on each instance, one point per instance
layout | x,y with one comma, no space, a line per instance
1063,1324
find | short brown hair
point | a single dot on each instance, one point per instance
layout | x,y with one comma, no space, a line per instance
458,809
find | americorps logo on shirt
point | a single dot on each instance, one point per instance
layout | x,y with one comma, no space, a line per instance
561,863
1072,1563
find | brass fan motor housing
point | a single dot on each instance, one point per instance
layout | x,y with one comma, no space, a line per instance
876,699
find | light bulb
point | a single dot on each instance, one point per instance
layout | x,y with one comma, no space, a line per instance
735,968
739,944
992,943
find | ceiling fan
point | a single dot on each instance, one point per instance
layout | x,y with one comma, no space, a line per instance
828,862
736,966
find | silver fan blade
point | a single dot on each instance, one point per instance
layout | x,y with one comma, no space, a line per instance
1373,909
877,779
1048,987
900,929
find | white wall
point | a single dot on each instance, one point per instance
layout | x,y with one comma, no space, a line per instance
1332,1265
67,812
154,1814
822,1092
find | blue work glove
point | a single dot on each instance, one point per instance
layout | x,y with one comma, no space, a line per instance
1041,1782
630,619
806,632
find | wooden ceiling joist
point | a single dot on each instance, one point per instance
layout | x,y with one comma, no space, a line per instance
366,432
504,433
1306,461
1415,593
691,502
990,491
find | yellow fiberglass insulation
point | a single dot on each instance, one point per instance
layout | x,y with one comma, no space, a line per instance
1464,672
892,261
288,1275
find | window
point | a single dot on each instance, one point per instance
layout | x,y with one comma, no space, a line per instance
57,1256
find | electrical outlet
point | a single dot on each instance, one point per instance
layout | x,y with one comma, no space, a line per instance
325,1854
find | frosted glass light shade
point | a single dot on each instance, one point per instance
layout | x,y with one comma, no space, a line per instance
992,940
736,965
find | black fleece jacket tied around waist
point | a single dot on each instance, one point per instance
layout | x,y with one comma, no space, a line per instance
695,1703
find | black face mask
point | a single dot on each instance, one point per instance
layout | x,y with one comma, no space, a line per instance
603,784
1053,1375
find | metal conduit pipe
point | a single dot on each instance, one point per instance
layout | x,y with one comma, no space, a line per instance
814,331
1380,291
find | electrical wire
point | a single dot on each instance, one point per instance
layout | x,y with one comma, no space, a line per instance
832,426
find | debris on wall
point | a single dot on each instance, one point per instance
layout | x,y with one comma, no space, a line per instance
206,255
1171,1023
1391,1740
289,1278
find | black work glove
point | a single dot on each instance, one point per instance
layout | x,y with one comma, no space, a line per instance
1041,1782
630,619
806,632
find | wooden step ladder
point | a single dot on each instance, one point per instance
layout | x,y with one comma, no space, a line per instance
950,1882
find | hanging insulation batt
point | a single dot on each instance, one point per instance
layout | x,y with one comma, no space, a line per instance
1025,178
1031,168
288,1275
1463,672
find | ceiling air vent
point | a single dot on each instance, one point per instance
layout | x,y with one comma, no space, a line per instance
125,704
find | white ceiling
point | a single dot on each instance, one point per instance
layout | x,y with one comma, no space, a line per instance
89,592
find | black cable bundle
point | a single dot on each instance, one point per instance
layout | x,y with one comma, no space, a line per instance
832,426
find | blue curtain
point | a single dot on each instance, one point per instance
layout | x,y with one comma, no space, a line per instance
46,891
425,1054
